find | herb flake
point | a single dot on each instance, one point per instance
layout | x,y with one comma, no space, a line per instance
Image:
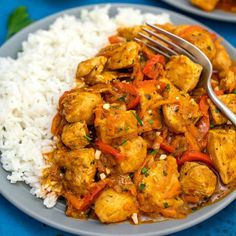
151,122
122,99
18,20
165,173
140,122
152,152
89,139
123,142
144,171
165,204
126,129
168,87
142,186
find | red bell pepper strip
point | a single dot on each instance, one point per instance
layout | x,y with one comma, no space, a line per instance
130,89
116,39
83,203
195,156
219,92
167,147
153,66
203,105
108,149
89,198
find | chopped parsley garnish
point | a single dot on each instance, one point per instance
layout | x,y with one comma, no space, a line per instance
126,129
168,87
144,171
141,57
234,92
151,122
87,138
142,186
153,152
217,110
122,99
166,205
138,118
131,175
123,142
212,125
18,20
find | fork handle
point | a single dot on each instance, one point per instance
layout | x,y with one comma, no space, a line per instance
223,108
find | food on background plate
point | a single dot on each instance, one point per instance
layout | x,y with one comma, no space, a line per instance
210,5
134,136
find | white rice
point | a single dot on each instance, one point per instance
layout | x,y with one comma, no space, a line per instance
32,84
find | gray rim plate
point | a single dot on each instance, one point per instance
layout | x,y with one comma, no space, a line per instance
19,195
185,5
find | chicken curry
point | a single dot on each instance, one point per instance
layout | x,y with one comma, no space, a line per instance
210,5
138,138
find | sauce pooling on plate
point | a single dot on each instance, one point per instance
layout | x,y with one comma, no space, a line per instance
138,137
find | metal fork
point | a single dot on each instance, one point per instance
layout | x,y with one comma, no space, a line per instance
179,46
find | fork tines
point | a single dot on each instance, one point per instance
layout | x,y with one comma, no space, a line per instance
176,45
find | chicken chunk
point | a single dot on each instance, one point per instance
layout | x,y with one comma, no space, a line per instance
199,37
123,56
116,124
92,71
197,180
180,144
207,5
184,111
78,167
91,67
221,61
217,116
74,135
79,106
159,188
228,81
221,147
149,97
129,32
111,206
183,73
135,151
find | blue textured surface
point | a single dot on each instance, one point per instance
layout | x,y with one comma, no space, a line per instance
13,221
